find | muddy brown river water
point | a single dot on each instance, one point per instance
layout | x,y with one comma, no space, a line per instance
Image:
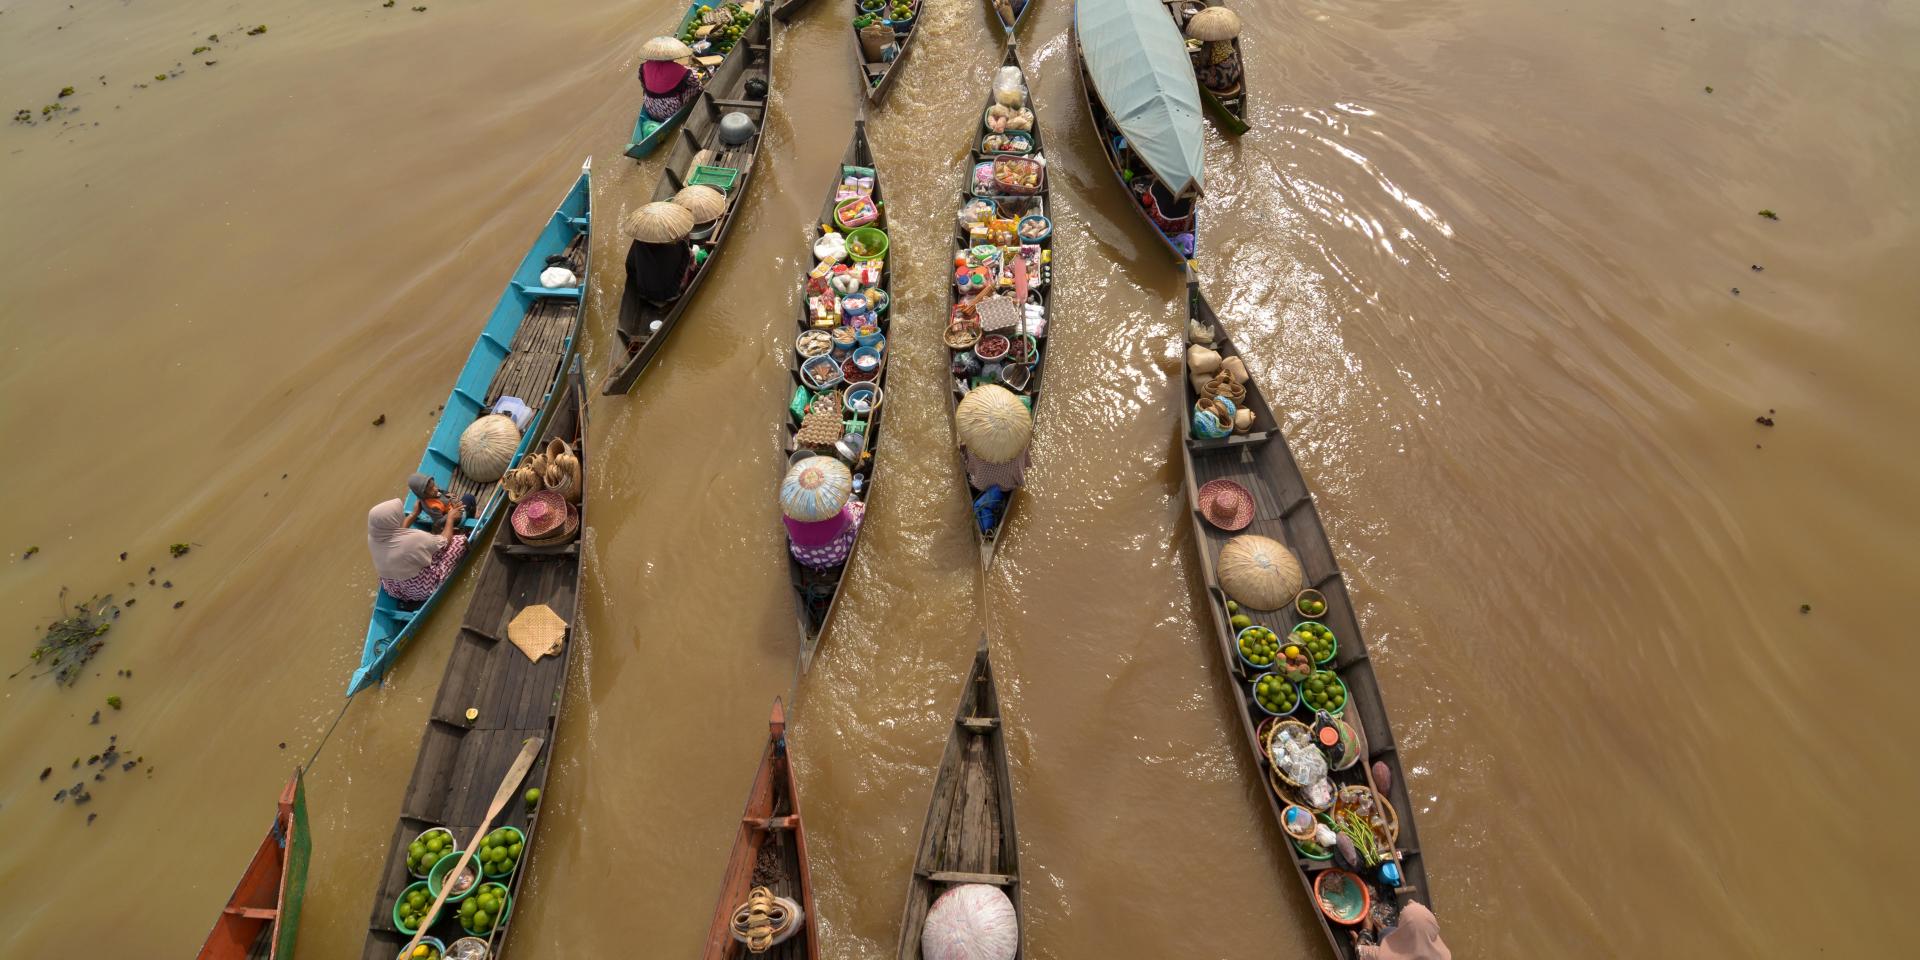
1486,257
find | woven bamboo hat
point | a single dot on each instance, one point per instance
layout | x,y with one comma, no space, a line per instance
1226,504
1259,572
670,48
704,202
815,489
993,424
1214,23
545,518
660,222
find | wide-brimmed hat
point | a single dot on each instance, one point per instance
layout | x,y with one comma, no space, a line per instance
1214,23
1226,504
1259,572
704,202
815,489
993,424
545,518
660,222
670,48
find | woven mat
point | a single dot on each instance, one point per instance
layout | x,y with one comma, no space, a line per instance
538,631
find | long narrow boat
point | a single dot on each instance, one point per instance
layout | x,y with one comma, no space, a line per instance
649,133
1037,315
1229,109
1010,13
817,591
522,352
785,10
969,837
699,157
262,918
770,851
1283,510
878,76
492,699
1145,106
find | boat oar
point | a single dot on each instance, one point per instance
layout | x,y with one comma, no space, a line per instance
515,774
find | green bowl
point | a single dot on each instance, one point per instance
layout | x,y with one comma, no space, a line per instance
1347,695
437,877
1333,649
506,910
420,885
488,868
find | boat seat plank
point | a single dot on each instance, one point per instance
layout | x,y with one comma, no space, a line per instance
979,724
957,876
253,913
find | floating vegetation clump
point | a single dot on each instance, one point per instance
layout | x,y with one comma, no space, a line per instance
256,31
74,639
179,549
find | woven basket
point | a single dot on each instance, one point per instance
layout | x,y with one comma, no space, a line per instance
562,470
962,334
1222,385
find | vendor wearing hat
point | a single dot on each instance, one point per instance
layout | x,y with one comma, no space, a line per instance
661,257
822,517
995,430
667,84
1217,64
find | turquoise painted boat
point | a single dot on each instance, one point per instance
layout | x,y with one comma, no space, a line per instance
522,352
649,134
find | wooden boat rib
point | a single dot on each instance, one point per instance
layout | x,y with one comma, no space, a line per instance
816,592
769,851
1040,293
699,157
262,918
522,352
1138,179
878,76
511,699
1230,110
648,133
1284,510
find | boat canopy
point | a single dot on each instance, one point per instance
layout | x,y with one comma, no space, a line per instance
1137,62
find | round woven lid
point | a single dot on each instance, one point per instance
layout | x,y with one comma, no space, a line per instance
660,222
1259,572
1214,23
704,202
666,48
1226,504
993,424
815,489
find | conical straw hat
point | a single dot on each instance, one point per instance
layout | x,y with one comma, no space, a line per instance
670,48
815,489
660,222
1214,23
1259,572
993,424
704,202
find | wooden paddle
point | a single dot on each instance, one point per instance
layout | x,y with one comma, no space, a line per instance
515,774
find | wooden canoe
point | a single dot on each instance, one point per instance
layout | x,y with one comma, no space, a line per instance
785,10
1009,13
699,157
816,592
878,76
770,850
1228,110
648,133
511,699
262,918
1261,462
969,836
1125,171
522,352
1038,292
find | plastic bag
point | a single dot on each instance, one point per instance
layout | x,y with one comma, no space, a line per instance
1009,87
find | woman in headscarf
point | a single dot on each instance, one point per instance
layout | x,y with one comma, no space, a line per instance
666,85
413,563
1415,937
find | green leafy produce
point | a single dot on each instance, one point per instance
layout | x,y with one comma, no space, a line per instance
1259,645
1324,691
1316,638
1274,693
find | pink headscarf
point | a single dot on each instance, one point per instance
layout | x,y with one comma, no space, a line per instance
660,77
1416,938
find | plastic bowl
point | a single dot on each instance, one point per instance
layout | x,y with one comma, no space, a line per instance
863,392
443,868
1045,228
1344,900
871,243
1338,711
506,910
993,346
1253,698
1257,667
813,343
421,838
521,836
420,885
820,373
440,949
464,945
1332,651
